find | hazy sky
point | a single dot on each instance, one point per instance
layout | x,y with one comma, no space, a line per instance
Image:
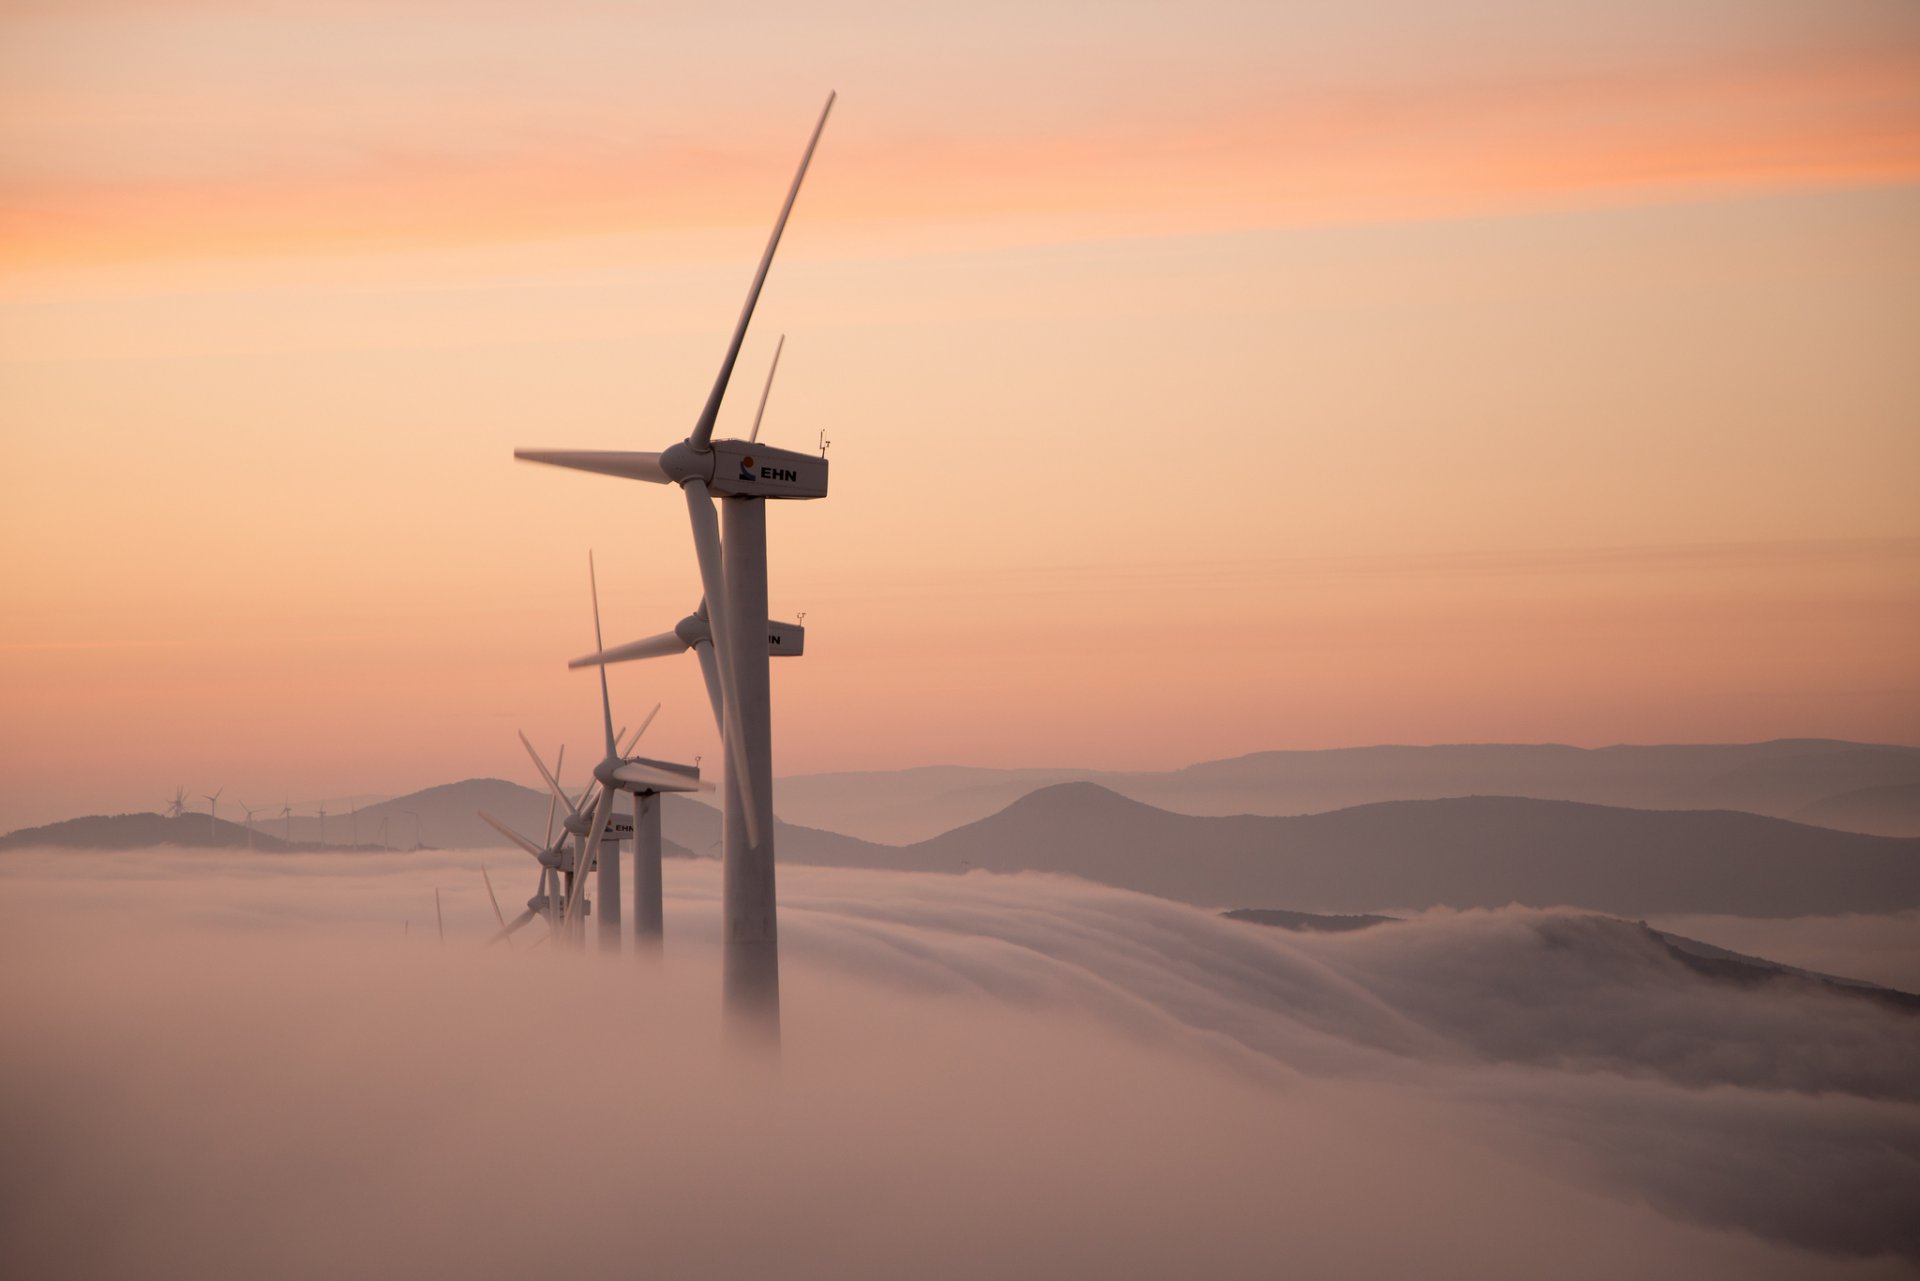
1200,379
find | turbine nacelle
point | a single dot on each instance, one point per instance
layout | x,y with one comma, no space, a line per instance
747,469
728,468
641,774
784,640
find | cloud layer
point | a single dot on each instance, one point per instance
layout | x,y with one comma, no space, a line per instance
223,1067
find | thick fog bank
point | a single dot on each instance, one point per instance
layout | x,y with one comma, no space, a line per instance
222,1066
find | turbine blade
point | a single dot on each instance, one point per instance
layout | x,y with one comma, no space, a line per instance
559,763
703,429
509,833
651,647
659,780
767,390
637,734
589,851
632,464
506,931
492,897
542,767
706,545
710,670
606,704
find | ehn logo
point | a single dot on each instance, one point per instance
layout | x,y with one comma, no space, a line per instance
767,473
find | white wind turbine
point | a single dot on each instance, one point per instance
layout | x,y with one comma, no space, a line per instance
213,812
646,779
178,805
694,632
286,812
732,556
250,812
551,857
588,821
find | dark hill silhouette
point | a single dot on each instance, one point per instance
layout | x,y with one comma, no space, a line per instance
1462,852
1777,778
1306,922
147,831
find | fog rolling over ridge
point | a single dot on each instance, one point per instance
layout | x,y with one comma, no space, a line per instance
249,1070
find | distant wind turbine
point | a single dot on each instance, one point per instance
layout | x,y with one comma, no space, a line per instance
213,812
249,811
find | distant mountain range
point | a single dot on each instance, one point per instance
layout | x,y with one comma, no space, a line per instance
1455,851
1851,786
446,817
1461,852
145,831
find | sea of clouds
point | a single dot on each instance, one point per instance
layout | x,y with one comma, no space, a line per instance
248,1066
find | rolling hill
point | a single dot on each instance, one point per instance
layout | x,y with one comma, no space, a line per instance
1781,779
1463,852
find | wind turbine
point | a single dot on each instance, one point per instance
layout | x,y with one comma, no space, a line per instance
546,900
178,805
323,824
557,859
732,555
213,812
646,779
694,632
286,812
249,809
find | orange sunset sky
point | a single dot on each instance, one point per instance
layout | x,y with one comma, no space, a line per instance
1200,378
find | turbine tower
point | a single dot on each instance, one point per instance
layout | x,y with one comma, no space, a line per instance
732,555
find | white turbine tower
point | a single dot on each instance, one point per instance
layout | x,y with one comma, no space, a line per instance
250,812
732,555
286,812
